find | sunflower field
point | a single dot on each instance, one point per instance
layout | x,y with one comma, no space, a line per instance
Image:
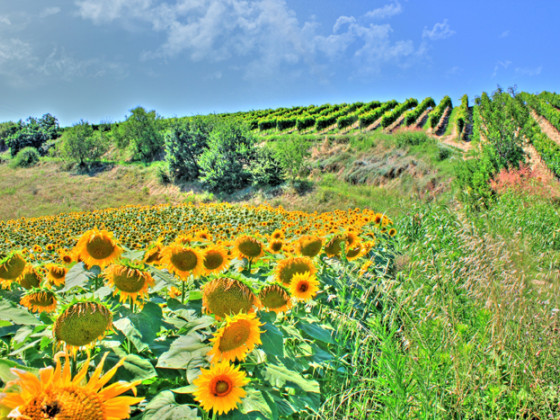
185,312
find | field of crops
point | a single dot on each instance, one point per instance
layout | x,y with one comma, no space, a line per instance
198,312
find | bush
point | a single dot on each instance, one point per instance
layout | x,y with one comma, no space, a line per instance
81,144
267,124
226,161
285,123
25,158
266,170
305,122
142,132
411,138
291,153
32,133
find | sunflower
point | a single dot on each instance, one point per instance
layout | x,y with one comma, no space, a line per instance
129,280
223,296
203,236
275,298
355,252
97,247
220,388
56,274
174,292
39,300
236,339
81,324
12,266
153,254
277,234
304,286
275,246
392,232
287,267
29,278
54,394
309,246
65,255
216,259
182,261
249,247
333,248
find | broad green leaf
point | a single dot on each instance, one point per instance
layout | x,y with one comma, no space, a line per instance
278,376
77,276
134,368
137,255
141,328
185,389
6,374
184,351
130,331
255,401
164,407
272,340
16,314
317,332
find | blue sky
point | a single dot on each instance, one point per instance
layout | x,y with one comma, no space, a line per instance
97,59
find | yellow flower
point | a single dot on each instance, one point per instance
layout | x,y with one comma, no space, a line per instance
287,267
216,259
275,298
182,261
309,246
129,281
30,278
12,266
220,388
223,296
39,300
54,394
236,339
97,247
304,286
56,274
249,247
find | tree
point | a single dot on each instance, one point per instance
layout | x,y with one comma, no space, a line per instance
6,129
225,163
291,153
81,143
142,131
33,133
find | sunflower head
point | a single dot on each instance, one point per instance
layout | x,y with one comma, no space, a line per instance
54,394
392,232
29,278
223,296
153,254
12,266
333,248
288,267
355,252
220,388
203,236
216,259
129,280
236,339
182,261
56,274
97,247
65,255
304,286
277,234
309,245
275,246
275,298
39,300
82,324
248,247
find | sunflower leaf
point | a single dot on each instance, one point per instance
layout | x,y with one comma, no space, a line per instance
278,376
77,276
183,351
6,375
272,340
317,332
164,407
17,315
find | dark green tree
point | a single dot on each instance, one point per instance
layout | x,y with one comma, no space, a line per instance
142,132
33,133
82,144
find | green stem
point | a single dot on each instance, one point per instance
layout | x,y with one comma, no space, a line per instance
183,293
250,261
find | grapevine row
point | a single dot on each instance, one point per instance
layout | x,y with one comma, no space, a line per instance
438,111
414,114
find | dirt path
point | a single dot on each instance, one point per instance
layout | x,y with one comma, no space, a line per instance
422,118
537,164
397,123
546,127
371,127
442,124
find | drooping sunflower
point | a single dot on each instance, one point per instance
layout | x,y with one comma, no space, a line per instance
39,300
65,255
182,261
275,246
129,280
97,247
236,339
309,245
55,395
355,252
288,267
153,254
223,296
216,259
56,274
275,298
81,324
29,278
220,388
248,247
304,286
333,247
12,266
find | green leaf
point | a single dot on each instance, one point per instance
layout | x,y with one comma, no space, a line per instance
317,332
272,340
77,276
255,401
278,376
134,368
130,331
184,351
164,407
141,328
185,389
134,255
16,314
6,374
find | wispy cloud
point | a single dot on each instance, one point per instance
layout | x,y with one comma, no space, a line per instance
386,11
528,71
505,34
501,65
439,31
49,11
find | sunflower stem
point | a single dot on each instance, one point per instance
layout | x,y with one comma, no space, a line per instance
250,261
183,293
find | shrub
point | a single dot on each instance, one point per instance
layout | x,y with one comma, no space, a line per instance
437,112
394,115
267,124
285,123
25,158
81,144
305,122
142,132
266,169
291,153
32,133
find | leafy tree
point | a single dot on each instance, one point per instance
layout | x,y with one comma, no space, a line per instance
291,153
142,132
81,143
266,169
225,163
6,129
185,141
33,133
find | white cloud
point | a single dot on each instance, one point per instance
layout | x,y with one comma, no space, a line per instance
528,71
440,30
5,21
501,64
386,11
49,11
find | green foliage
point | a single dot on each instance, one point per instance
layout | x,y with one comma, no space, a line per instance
438,111
286,123
267,124
185,141
372,116
411,116
33,133
26,157
346,121
81,143
463,116
225,163
393,116
411,138
291,153
6,129
548,150
142,133
305,122
473,179
266,169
